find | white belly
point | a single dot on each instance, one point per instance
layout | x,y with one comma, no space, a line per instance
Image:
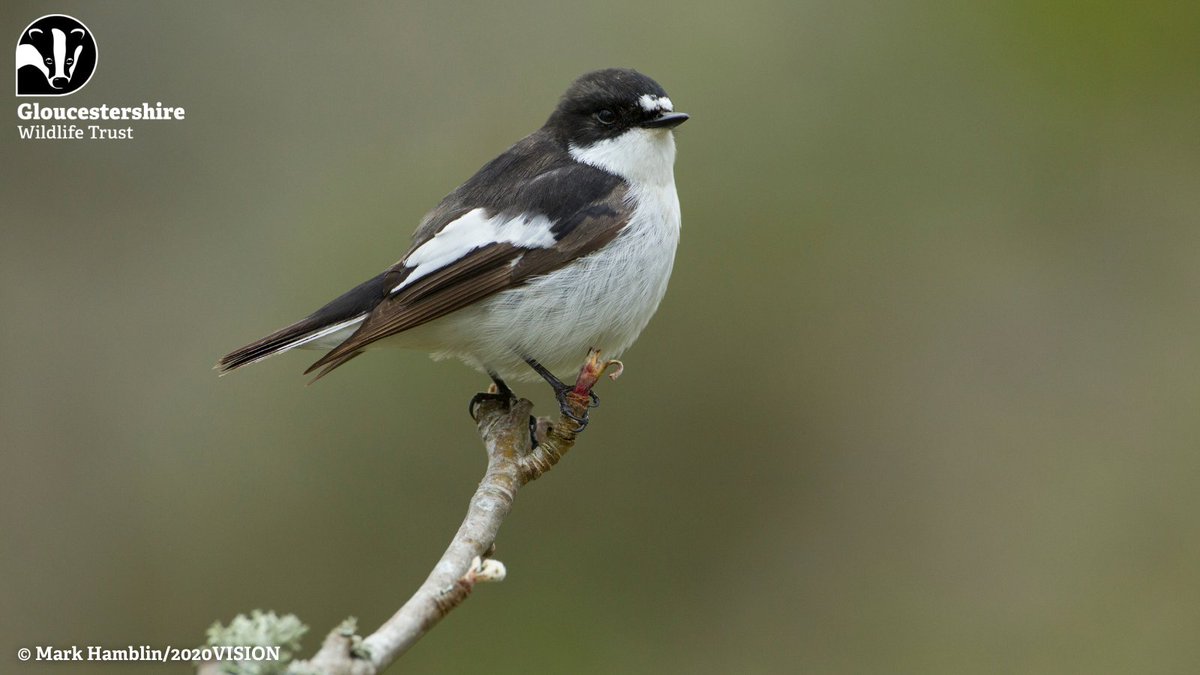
603,300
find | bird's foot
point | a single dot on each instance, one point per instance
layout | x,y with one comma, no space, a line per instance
574,401
500,392
497,391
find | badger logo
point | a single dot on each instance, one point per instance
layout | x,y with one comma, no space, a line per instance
56,56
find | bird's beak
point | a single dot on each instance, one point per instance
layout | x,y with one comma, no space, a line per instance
667,120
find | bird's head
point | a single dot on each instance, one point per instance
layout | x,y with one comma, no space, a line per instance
620,120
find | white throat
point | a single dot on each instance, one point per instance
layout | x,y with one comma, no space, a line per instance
638,156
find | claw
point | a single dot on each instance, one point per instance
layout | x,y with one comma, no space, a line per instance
568,410
496,391
533,429
480,398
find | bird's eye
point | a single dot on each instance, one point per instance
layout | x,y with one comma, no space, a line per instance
606,116
49,61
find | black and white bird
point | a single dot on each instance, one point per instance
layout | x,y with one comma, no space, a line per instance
563,243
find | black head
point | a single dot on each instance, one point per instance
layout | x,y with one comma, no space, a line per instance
607,103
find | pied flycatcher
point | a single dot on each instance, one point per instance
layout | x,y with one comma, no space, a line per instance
562,243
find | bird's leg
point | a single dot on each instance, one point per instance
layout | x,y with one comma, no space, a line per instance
562,391
580,396
497,391
561,388
502,389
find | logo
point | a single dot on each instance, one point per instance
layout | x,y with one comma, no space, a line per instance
56,56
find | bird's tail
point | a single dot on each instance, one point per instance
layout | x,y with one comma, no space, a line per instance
299,334
325,327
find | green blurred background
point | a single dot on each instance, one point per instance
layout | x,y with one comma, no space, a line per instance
922,397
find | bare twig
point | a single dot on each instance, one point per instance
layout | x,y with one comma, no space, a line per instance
504,428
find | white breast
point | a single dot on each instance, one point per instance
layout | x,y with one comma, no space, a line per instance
603,300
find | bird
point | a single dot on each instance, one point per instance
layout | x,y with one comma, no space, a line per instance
563,243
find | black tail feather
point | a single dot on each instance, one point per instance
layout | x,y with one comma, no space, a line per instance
267,346
354,303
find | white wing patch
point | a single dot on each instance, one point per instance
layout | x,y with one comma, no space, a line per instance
652,103
475,229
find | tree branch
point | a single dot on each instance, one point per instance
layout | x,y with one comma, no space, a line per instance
505,434
504,429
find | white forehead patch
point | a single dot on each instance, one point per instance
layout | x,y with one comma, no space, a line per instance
652,103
